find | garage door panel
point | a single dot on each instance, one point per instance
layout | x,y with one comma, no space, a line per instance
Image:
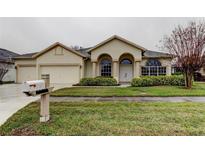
62,74
26,74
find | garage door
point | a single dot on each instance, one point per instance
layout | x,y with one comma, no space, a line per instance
62,74
26,73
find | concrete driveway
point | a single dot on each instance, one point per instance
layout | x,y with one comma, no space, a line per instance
11,100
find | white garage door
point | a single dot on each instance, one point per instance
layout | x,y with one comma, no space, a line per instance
62,74
26,73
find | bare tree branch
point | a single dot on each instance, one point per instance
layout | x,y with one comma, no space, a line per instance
187,45
4,68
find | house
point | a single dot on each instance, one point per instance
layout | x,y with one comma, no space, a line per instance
7,63
115,57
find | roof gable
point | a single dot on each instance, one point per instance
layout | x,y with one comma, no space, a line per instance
55,45
118,38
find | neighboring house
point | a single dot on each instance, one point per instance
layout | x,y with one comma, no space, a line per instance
198,75
202,71
6,59
115,57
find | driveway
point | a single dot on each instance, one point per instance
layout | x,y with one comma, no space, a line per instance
11,100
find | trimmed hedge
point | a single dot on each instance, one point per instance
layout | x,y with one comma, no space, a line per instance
174,80
104,77
98,81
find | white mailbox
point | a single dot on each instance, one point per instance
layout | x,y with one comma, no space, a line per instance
40,87
32,88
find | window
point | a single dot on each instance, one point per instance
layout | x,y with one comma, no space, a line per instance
59,51
125,61
162,70
106,66
153,71
145,71
153,62
176,70
153,68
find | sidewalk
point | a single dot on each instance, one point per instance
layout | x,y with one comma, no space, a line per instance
130,99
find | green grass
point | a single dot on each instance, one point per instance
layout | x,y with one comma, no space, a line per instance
108,118
197,90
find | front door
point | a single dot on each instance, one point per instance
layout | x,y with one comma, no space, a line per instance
126,74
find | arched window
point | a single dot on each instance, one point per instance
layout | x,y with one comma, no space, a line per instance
126,61
106,67
153,62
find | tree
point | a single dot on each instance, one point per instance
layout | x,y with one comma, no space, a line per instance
187,45
4,68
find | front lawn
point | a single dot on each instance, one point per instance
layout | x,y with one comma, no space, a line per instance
108,118
197,90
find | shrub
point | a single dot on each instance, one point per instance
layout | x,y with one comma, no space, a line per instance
174,80
104,77
98,81
177,73
87,82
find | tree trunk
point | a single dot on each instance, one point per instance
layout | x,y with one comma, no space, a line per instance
2,74
188,79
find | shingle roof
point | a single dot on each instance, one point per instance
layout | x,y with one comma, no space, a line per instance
6,55
84,51
27,55
155,54
147,53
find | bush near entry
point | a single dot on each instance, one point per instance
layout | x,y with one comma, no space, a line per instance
98,81
174,80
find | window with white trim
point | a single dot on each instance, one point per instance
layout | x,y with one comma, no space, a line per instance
106,67
153,68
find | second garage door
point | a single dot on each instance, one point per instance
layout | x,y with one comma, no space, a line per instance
62,74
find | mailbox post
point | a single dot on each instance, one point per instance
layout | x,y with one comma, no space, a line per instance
44,109
40,87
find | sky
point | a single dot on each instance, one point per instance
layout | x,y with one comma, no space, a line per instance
26,35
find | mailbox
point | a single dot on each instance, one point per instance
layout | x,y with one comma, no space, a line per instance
40,87
36,87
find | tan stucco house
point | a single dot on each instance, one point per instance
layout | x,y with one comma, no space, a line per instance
115,57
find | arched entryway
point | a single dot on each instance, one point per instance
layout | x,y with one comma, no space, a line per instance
126,68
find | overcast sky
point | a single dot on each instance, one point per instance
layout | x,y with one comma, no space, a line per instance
24,35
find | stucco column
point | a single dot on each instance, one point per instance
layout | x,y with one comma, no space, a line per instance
82,68
17,70
94,69
115,70
169,70
136,69
37,71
